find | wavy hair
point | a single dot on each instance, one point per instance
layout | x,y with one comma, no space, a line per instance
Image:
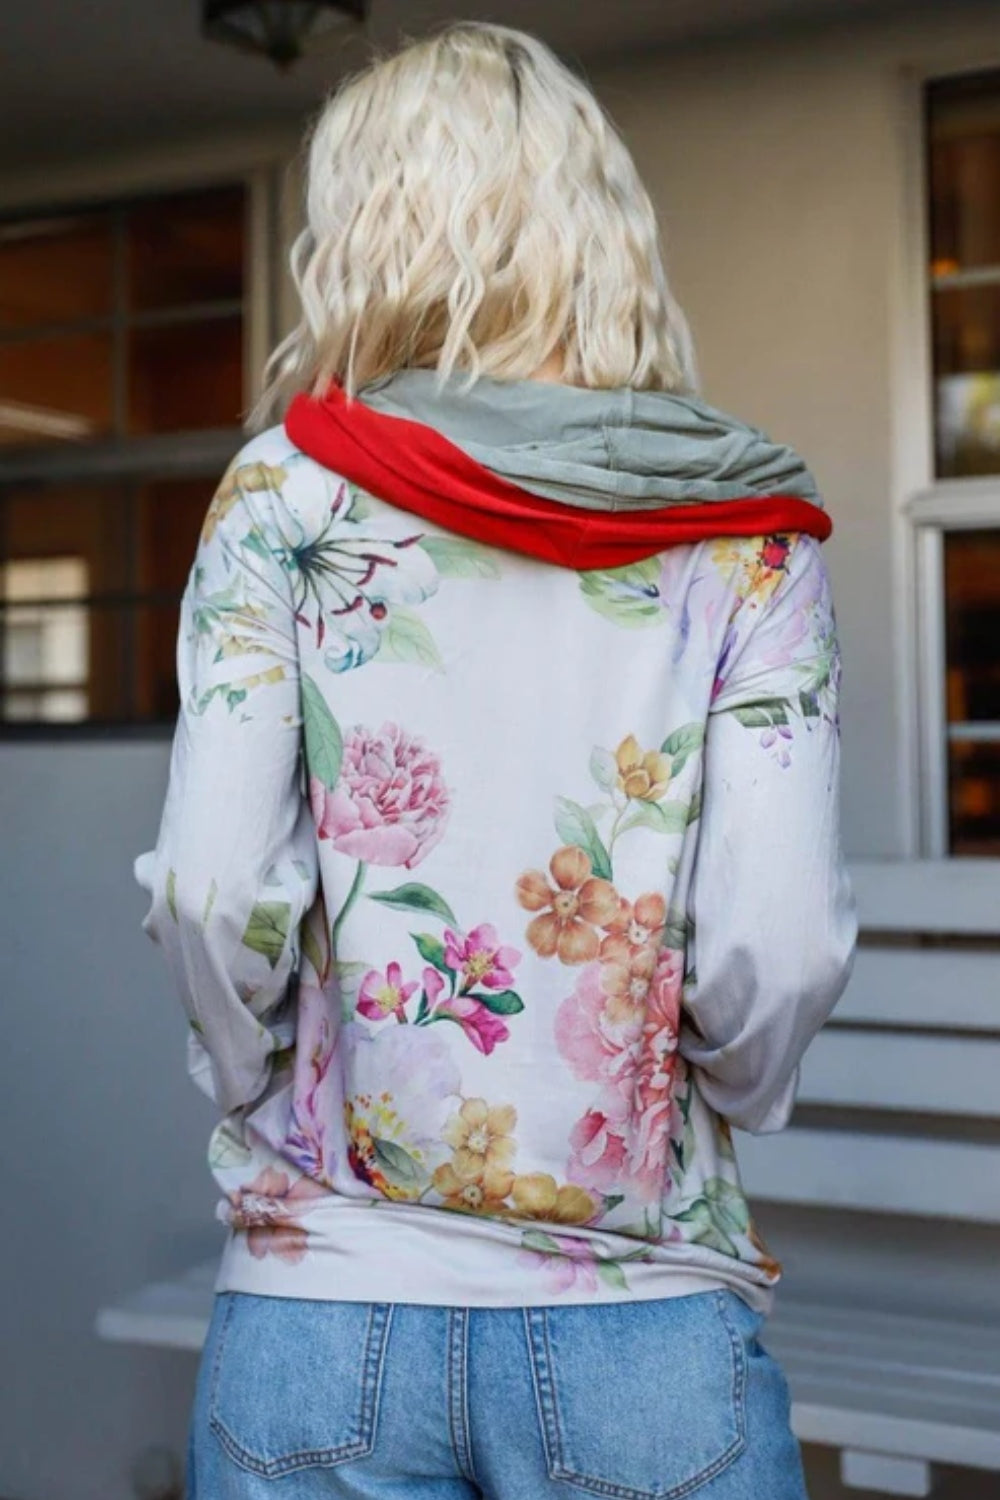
471,208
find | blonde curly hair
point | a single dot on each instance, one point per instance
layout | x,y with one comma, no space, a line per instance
471,208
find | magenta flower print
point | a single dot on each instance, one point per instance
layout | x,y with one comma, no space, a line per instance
481,1026
385,994
480,958
390,804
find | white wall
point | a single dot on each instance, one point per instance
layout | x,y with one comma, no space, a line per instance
103,1138
778,169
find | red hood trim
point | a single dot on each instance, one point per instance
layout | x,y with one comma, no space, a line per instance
418,469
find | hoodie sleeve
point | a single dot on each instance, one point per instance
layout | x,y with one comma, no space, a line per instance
774,924
234,868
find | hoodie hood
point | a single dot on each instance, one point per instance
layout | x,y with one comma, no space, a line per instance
577,477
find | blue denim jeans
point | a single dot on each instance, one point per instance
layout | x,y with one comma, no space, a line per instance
655,1400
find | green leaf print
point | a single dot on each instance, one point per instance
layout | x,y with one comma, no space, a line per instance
226,1149
629,596
213,891
324,741
456,557
694,809
809,705
661,817
574,825
611,1274
312,951
682,744
603,768
500,1002
762,715
675,931
267,929
728,1205
360,506
401,1169
416,897
172,893
431,950
704,1229
406,638
537,1239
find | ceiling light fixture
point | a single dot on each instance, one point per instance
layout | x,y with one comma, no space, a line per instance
279,29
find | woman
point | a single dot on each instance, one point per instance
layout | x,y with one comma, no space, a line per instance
499,869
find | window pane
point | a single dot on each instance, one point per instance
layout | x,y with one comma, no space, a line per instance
964,129
113,662
155,661
974,787
169,516
90,524
972,634
964,167
186,249
55,271
186,375
972,593
56,390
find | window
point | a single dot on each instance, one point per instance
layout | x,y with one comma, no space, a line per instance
123,342
962,542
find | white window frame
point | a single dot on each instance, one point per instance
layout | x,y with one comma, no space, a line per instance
926,509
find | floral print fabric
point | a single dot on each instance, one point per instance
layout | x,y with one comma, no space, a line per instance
494,894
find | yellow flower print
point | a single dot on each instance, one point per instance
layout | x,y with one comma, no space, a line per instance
536,1195
251,478
757,563
483,1195
478,1177
481,1138
569,914
642,774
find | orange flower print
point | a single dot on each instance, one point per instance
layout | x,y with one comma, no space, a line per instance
636,927
642,774
265,1208
478,1177
570,910
765,1260
625,983
536,1195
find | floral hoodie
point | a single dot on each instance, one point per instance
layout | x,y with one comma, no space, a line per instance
499,869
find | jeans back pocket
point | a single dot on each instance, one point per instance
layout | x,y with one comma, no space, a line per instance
640,1400
295,1383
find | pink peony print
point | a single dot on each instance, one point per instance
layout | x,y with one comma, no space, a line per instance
390,804
480,959
481,1026
385,994
266,1208
622,1141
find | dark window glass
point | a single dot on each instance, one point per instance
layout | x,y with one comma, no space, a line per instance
972,646
90,586
120,324
185,250
56,271
186,375
56,390
964,169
